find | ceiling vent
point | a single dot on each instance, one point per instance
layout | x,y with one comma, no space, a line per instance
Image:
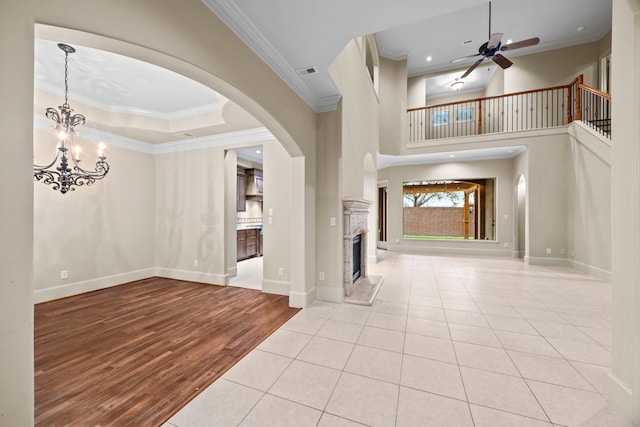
312,69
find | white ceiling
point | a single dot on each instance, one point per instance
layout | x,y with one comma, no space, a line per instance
289,35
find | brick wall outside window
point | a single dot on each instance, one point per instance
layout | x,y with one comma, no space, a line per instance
436,221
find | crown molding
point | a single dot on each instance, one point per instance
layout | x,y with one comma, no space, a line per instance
229,12
246,137
174,115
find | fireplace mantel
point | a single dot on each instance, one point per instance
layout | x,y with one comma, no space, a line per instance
356,212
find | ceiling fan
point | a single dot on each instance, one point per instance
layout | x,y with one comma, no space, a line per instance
492,48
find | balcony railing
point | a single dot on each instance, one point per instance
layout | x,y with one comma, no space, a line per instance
535,109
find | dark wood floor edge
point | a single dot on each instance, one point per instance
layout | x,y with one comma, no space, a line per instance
216,377
128,283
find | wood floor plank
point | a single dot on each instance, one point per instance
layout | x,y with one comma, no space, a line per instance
135,353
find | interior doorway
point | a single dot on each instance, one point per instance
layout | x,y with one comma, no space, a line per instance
383,197
248,217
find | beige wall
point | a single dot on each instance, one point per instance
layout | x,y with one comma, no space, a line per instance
530,72
624,384
103,234
190,213
393,104
499,169
277,214
329,237
589,202
416,92
360,129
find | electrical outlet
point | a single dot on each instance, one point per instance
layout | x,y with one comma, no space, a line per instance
64,274
505,244
333,220
548,251
195,262
321,275
281,272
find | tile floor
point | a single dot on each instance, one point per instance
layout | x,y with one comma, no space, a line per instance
249,274
450,341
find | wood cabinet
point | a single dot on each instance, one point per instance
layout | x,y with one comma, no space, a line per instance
249,244
254,184
241,197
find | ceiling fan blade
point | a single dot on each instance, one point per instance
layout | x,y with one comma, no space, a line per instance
473,67
465,58
502,61
494,40
522,43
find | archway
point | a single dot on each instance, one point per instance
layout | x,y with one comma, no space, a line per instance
285,268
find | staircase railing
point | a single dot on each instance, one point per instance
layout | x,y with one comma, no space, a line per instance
529,110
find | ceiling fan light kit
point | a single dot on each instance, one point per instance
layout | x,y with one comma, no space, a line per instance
492,49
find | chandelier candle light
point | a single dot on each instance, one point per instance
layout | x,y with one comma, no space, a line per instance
63,174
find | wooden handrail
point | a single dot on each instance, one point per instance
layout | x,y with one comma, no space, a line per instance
595,91
492,97
515,111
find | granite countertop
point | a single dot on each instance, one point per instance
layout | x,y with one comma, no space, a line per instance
249,226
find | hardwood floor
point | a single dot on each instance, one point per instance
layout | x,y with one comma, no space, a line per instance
136,353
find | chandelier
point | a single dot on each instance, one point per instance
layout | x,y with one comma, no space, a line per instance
64,172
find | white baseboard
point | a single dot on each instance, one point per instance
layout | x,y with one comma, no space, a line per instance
471,251
278,287
591,270
302,299
66,290
559,262
620,395
193,276
330,293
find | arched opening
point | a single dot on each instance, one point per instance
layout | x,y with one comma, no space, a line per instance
212,231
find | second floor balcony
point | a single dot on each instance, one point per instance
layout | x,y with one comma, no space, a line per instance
530,110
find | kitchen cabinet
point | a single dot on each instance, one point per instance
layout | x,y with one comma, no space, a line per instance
249,243
241,197
254,184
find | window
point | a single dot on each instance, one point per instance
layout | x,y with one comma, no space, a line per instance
449,209
464,114
440,118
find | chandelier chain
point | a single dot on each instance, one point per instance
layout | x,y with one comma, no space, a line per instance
66,78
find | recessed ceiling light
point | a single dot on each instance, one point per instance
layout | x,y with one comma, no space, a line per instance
509,41
452,155
429,59
258,151
580,28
